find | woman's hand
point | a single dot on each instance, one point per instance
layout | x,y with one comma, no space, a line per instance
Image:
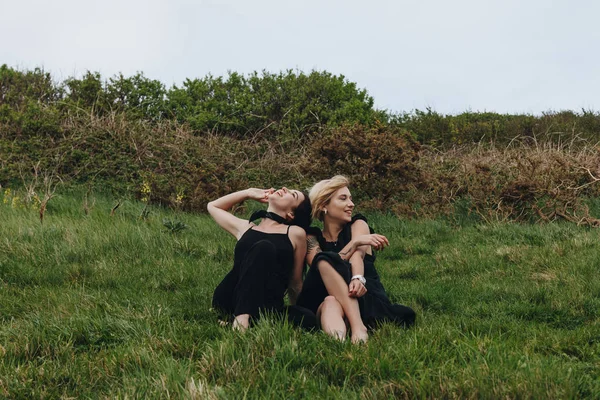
378,242
356,288
260,195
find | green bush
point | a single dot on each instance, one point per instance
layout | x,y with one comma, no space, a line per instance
380,161
17,88
274,103
432,128
191,144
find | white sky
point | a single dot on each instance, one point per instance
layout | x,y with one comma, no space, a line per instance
505,56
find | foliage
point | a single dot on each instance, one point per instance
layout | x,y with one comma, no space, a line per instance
17,88
288,102
281,103
188,145
438,130
174,226
381,162
521,182
167,163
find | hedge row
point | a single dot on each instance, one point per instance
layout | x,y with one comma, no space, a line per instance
168,163
289,103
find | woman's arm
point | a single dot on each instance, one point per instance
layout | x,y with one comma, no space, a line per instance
219,209
298,238
312,248
365,241
375,240
356,288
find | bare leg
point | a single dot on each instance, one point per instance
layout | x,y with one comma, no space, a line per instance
331,316
337,287
241,322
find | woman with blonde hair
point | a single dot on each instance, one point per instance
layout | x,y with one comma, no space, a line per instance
342,284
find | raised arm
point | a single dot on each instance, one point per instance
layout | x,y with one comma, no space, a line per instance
298,238
219,209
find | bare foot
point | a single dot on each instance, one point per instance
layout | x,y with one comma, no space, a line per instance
241,322
360,336
339,335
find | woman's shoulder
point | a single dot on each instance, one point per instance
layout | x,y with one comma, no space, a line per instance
297,236
359,217
313,231
297,232
360,221
316,233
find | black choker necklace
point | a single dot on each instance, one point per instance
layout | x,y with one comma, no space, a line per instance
268,214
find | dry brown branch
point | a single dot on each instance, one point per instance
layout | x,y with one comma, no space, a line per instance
114,209
51,182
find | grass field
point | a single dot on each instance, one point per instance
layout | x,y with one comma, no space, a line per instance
101,306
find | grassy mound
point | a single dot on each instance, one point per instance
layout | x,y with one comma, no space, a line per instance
101,305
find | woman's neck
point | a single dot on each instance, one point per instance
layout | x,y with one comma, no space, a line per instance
331,230
267,223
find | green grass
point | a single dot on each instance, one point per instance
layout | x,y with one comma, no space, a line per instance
94,306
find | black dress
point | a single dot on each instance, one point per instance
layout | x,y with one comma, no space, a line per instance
375,306
263,264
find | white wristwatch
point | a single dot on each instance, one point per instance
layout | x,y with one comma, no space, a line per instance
360,278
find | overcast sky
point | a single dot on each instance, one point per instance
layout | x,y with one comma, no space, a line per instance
526,56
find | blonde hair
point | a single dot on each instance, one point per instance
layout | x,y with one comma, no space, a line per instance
322,192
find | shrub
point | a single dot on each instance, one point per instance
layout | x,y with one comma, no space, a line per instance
523,183
289,102
442,131
380,162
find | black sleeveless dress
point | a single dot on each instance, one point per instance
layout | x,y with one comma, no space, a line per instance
375,306
262,267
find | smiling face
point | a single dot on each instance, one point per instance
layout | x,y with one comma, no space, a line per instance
340,207
285,201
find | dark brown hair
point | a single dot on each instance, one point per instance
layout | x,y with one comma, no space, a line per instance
302,214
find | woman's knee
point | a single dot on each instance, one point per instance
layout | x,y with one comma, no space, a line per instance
325,267
330,303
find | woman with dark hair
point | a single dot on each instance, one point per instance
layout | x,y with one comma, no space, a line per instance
342,284
268,257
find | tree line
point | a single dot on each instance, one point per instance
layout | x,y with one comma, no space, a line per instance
284,103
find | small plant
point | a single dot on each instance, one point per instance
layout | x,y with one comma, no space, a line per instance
7,196
87,205
145,212
178,202
173,226
145,191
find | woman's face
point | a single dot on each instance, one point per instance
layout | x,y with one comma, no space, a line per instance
286,200
340,206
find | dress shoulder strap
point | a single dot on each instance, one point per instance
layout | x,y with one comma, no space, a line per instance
288,230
